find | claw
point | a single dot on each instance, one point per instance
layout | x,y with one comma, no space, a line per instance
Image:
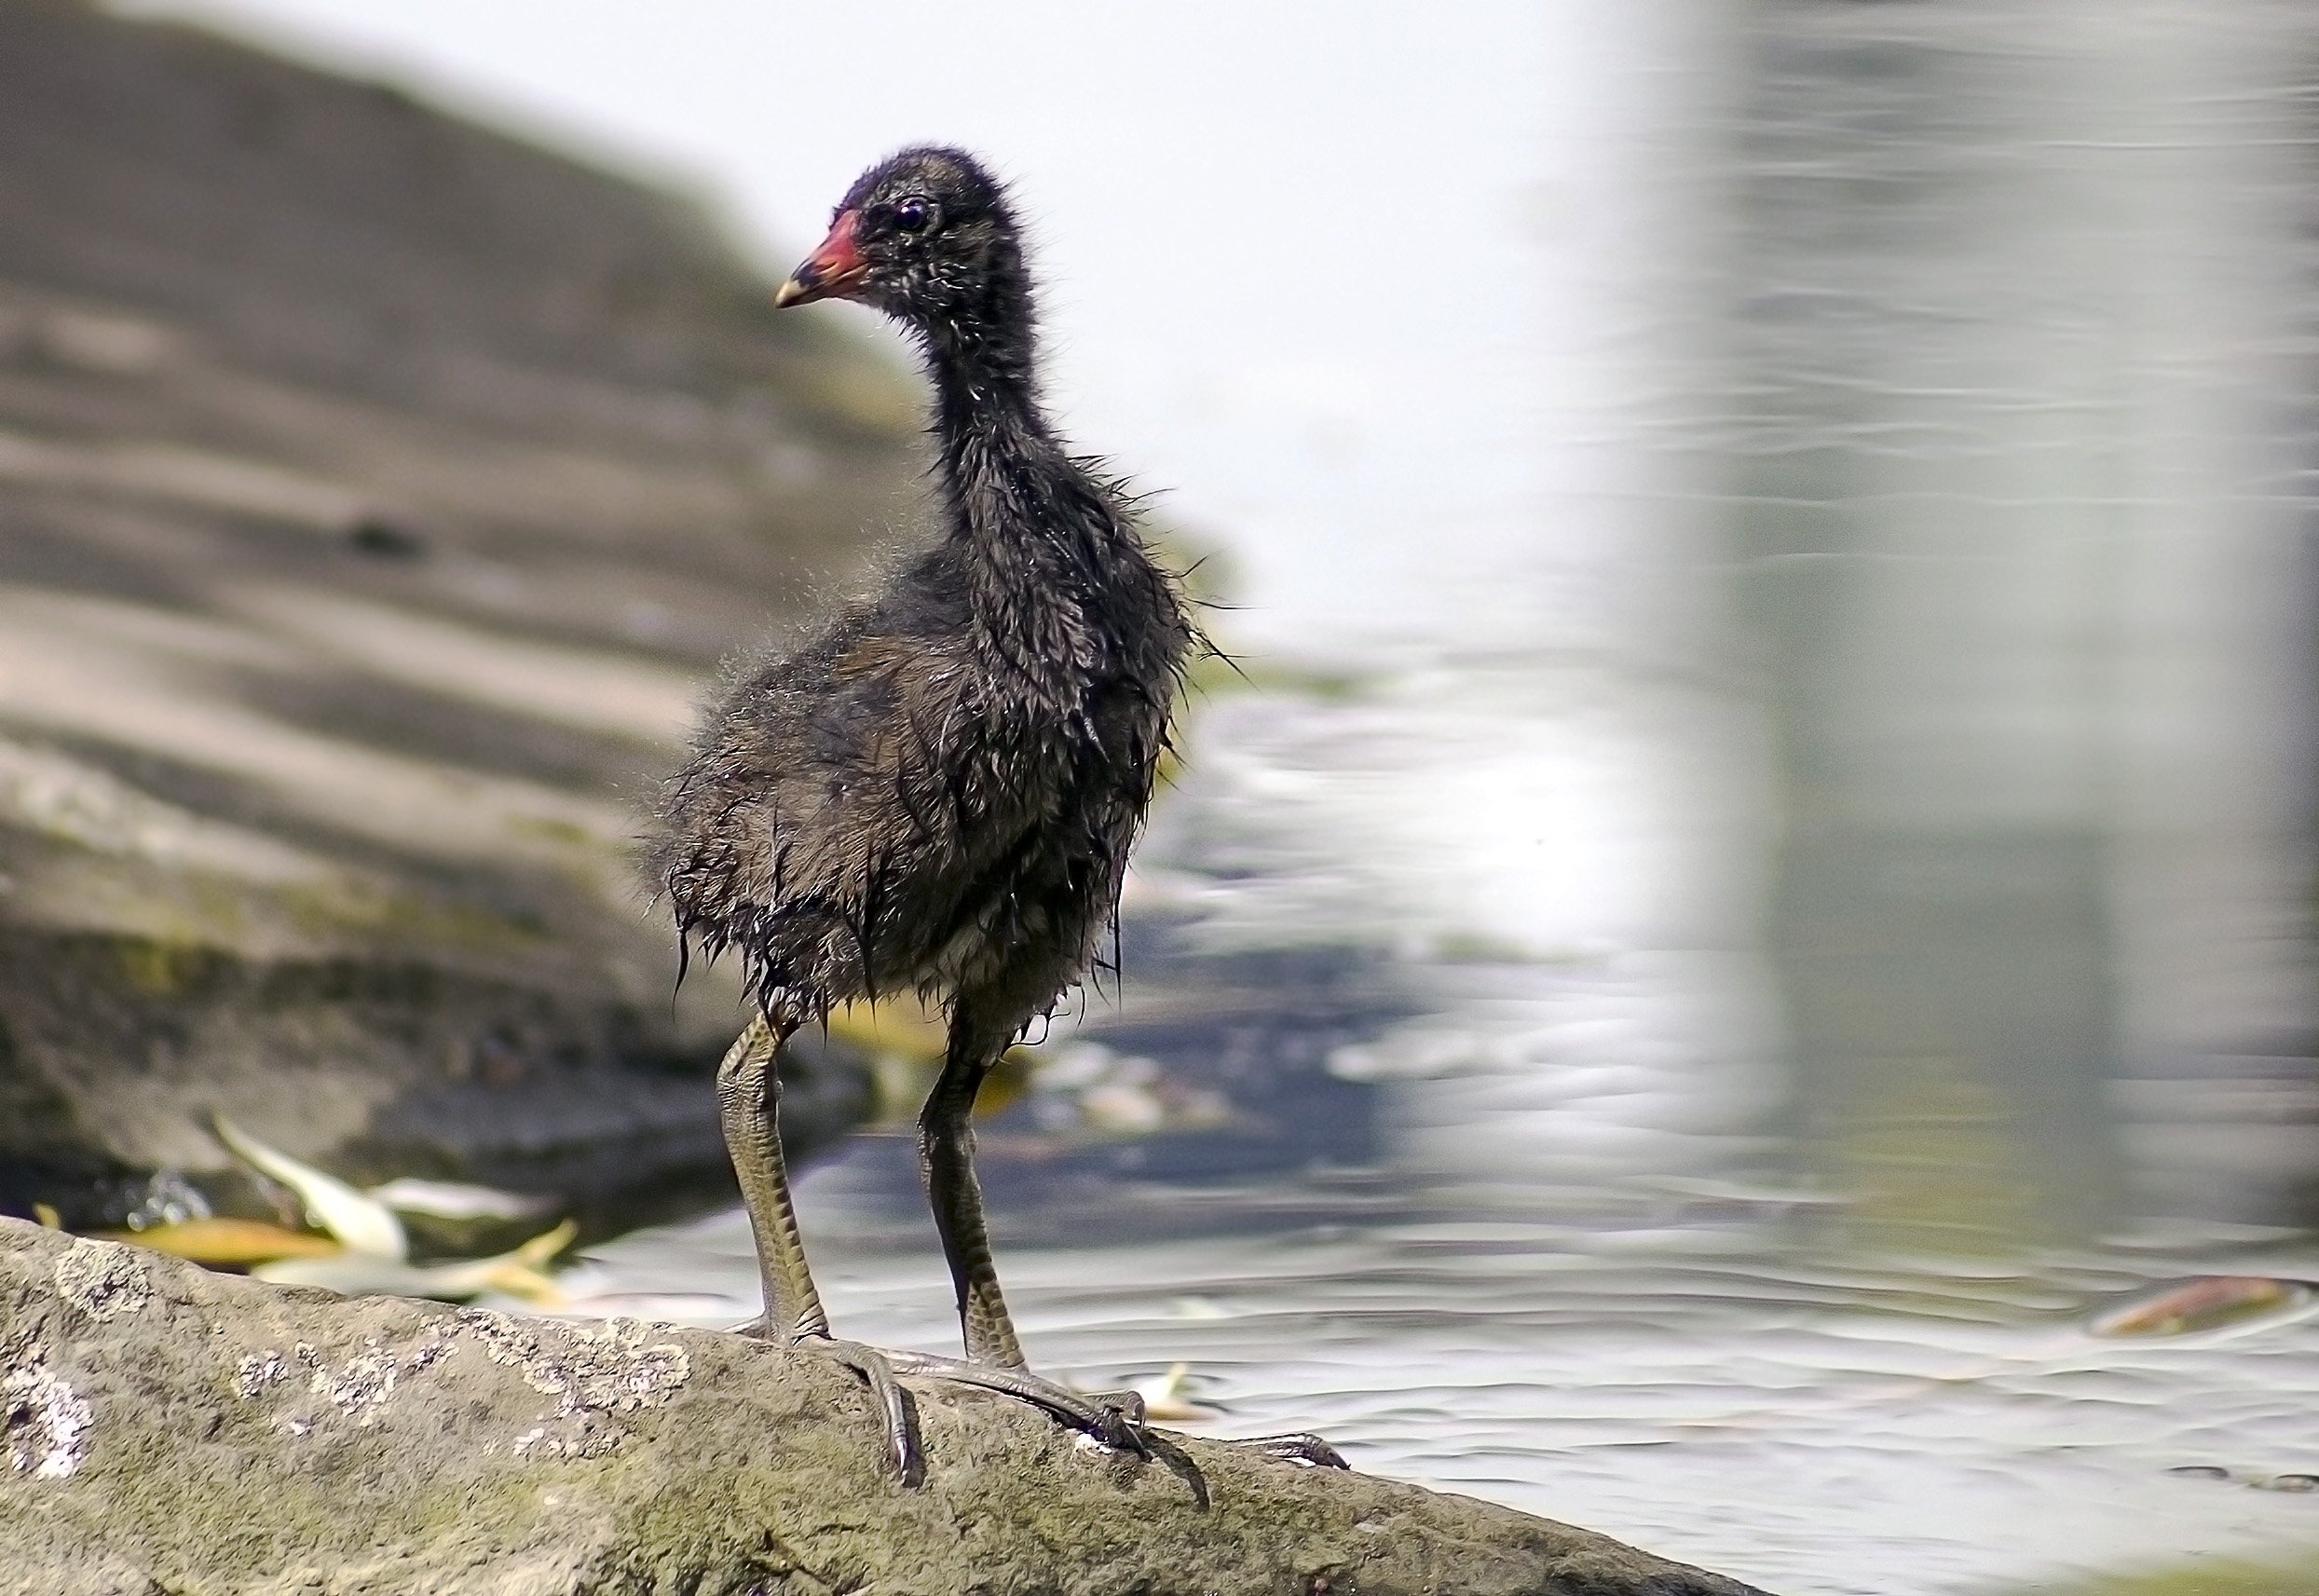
1301,1446
903,1451
1124,1433
1115,1418
903,1454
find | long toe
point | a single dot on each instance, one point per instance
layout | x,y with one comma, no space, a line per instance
1115,1419
903,1456
1301,1446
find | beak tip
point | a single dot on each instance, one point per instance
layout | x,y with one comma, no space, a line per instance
833,271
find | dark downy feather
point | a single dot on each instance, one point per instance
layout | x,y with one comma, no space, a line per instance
818,829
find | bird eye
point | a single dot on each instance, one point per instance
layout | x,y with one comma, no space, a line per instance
911,214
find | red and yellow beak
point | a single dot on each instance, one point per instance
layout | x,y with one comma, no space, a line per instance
833,271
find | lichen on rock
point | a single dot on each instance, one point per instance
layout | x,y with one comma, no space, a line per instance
47,1423
256,1371
102,1278
365,1383
357,1388
593,1372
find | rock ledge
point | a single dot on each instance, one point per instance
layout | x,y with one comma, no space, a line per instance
171,1430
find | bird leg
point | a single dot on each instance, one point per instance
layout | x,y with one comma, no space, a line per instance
945,1161
945,1153
945,1148
748,1102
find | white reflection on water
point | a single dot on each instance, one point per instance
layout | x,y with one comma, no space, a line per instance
1565,861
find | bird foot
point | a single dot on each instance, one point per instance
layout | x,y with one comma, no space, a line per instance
875,1368
1300,1446
1114,1418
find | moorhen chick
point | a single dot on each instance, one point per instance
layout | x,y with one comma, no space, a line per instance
939,792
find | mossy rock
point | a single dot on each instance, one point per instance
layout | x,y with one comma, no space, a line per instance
320,1445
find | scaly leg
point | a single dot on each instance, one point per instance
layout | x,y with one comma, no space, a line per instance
945,1161
945,1155
748,1097
946,1148
748,1102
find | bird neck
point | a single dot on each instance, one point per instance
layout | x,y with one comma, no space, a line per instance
983,359
980,337
1039,539
1012,488
987,415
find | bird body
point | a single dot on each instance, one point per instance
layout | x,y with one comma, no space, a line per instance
940,790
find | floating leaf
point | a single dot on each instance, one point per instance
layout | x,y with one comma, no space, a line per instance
2210,1302
456,1200
1164,1398
363,1223
519,1273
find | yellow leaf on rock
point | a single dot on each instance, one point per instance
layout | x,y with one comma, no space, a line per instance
520,1273
215,1241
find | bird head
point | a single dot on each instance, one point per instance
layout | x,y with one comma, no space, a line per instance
926,236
